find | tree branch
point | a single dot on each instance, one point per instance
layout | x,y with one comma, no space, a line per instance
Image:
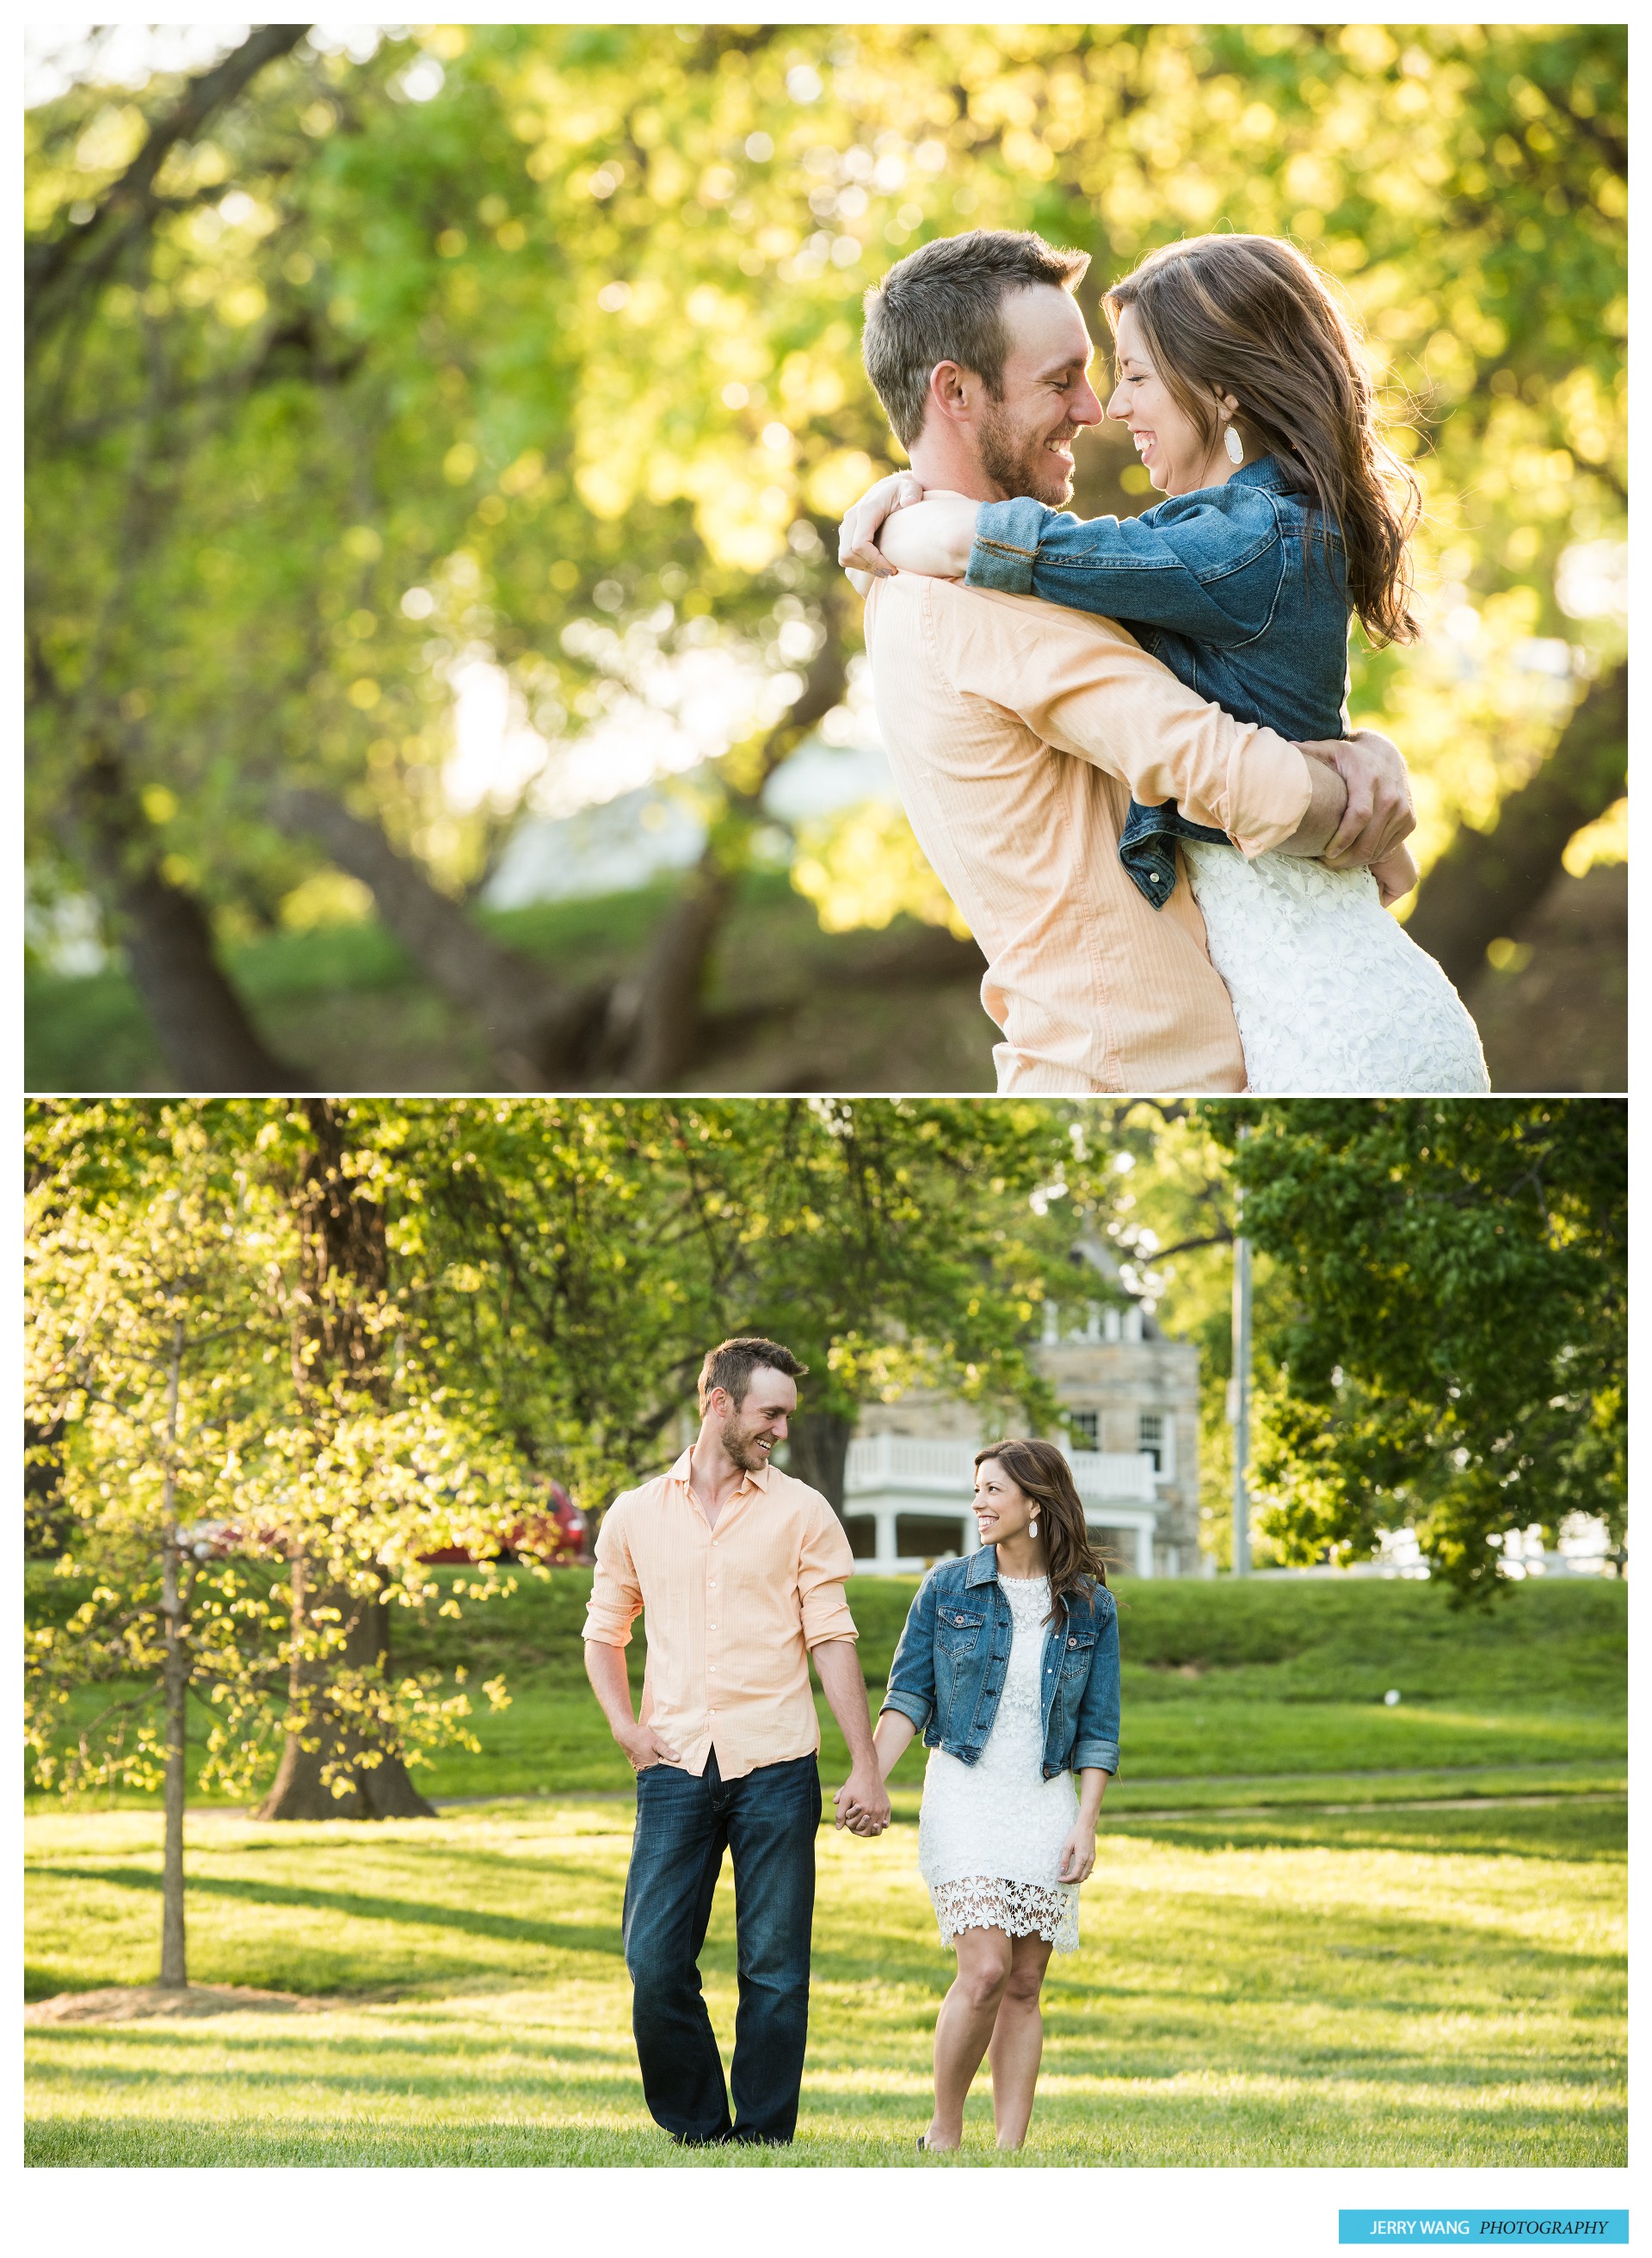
659,1024
58,269
537,1027
1487,883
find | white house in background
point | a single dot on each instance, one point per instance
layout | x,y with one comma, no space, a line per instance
1131,1396
617,844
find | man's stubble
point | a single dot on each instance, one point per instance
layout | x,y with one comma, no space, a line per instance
1018,462
741,1449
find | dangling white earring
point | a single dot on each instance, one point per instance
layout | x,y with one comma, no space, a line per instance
1032,1529
1234,444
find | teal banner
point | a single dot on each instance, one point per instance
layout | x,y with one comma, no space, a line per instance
1510,2228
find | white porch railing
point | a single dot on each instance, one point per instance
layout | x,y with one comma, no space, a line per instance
907,1466
892,1476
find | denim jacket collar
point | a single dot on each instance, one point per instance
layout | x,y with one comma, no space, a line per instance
982,1568
1265,472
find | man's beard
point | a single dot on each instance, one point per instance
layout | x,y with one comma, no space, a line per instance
1021,464
742,1449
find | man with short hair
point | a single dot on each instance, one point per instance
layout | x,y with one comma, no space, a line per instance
739,1571
1020,731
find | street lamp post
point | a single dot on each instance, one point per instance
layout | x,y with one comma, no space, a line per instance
1239,1393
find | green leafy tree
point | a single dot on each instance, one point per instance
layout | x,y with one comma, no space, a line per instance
142,1308
588,1252
250,1460
1449,1334
891,1243
539,342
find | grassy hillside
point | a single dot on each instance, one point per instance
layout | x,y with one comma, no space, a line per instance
1230,1683
790,1007
1563,1640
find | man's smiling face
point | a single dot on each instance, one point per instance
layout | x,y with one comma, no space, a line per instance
1025,439
750,1432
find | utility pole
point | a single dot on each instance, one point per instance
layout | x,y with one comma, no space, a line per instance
1239,1391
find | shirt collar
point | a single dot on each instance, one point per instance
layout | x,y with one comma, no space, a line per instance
683,1471
983,1566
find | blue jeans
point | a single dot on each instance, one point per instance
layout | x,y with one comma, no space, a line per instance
767,1820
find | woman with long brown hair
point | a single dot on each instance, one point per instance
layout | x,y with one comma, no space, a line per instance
1008,1667
1242,381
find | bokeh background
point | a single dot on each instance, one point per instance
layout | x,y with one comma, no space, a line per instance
438,675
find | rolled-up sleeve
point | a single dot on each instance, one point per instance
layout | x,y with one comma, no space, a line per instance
1006,545
822,1564
1207,569
616,1596
1105,700
1095,1744
912,1678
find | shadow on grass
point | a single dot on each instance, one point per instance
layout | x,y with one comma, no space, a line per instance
572,2075
1569,1830
512,1928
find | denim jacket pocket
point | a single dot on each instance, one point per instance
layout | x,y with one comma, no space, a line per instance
957,1631
1077,1652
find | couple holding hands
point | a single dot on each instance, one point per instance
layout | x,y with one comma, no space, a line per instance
1008,1667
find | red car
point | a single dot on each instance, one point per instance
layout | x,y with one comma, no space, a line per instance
556,1535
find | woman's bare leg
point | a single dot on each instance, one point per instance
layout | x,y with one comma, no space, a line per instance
964,2028
1018,2041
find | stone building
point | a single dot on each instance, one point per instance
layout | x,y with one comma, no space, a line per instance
1131,1394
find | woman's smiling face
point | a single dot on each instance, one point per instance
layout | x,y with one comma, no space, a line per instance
1002,1510
1176,457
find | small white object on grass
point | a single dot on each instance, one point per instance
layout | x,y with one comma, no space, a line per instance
1391,1699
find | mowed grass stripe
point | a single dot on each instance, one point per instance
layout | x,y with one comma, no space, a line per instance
1403,1986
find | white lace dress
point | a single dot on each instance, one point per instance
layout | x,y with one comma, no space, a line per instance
1329,994
989,1834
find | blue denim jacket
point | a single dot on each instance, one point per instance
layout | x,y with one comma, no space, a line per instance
1231,587
949,1667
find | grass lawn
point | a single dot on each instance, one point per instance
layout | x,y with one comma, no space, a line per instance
1404,1987
1322,1930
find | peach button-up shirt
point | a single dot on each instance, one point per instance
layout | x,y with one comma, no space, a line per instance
1019,732
732,1610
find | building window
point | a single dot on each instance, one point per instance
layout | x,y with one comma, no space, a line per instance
1151,1437
1086,1428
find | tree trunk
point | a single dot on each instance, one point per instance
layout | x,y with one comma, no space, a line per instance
540,1031
662,1033
175,1677
820,1452
206,1038
656,1031
174,1682
375,1782
1487,883
346,1262
640,1033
